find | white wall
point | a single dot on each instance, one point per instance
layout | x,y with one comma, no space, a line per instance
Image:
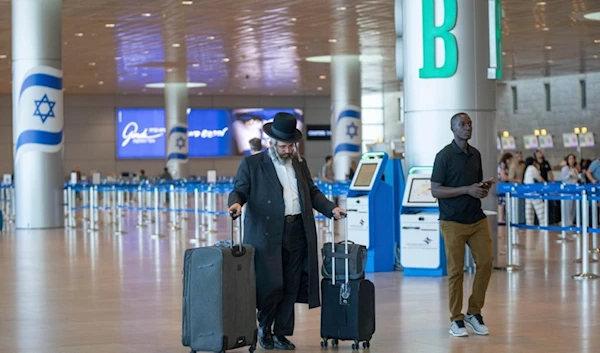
565,114
90,137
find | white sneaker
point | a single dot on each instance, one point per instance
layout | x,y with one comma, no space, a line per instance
458,329
475,322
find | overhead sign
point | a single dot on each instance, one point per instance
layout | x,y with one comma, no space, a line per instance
318,132
433,33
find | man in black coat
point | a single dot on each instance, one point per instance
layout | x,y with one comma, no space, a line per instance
279,194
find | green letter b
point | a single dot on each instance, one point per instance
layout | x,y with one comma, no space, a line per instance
431,32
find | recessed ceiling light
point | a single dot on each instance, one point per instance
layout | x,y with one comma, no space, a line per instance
503,53
332,40
327,58
592,16
293,19
176,45
243,87
319,88
545,29
293,47
145,52
200,93
100,82
195,65
541,3
144,74
294,80
596,41
3,56
341,8
550,61
109,25
81,86
170,70
225,60
322,77
188,84
595,56
117,58
146,14
79,34
92,64
548,47
211,37
249,29
187,2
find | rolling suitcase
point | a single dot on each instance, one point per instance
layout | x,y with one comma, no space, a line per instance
219,297
348,308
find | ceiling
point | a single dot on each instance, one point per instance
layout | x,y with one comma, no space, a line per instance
260,47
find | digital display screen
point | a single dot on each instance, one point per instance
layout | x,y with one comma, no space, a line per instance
141,133
318,132
209,133
365,174
420,191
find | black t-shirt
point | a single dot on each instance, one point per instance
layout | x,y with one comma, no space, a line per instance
455,168
545,168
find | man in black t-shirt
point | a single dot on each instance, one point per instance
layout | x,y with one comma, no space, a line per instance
545,167
457,183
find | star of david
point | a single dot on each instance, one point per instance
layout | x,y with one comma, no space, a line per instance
351,130
180,142
50,111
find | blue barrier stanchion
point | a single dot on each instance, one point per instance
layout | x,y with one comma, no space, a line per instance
595,247
156,215
585,269
120,206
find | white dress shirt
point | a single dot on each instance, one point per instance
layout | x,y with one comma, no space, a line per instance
287,178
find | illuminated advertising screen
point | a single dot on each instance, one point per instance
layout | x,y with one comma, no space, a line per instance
209,133
141,133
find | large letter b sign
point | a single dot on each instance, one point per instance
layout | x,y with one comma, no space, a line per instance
431,32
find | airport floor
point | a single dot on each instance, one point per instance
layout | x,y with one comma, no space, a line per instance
72,291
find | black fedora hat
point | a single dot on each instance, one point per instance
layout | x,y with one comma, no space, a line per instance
283,128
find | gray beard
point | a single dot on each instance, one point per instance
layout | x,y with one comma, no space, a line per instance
273,153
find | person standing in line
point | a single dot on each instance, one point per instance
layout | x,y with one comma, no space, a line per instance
532,176
279,194
457,183
255,145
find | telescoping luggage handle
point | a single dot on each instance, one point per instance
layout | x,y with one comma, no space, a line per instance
237,250
345,287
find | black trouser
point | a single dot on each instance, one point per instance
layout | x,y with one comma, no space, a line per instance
280,307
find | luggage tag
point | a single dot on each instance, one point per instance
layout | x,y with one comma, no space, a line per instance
345,294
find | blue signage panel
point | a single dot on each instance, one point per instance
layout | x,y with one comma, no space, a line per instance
209,133
141,133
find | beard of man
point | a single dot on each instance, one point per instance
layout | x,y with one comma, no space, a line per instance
285,158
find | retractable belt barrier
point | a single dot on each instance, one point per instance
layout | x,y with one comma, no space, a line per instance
583,198
156,202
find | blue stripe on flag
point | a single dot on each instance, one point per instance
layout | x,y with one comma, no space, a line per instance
176,129
42,80
177,156
348,114
346,147
40,137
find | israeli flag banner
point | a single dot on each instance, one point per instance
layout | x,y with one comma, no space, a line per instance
347,131
39,124
177,144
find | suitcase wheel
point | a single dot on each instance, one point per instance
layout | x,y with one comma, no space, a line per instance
366,344
252,348
334,342
324,343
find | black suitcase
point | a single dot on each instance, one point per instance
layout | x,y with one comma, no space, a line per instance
219,298
348,308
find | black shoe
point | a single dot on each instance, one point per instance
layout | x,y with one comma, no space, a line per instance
283,343
265,338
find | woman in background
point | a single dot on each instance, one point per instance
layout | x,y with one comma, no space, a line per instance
569,174
532,175
503,178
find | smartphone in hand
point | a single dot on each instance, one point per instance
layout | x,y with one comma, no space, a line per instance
488,183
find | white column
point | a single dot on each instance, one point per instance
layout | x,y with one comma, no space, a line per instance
345,112
37,113
446,55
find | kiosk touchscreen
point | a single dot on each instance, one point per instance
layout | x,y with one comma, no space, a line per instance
370,210
421,244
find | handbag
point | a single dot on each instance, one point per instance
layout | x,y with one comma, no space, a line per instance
357,260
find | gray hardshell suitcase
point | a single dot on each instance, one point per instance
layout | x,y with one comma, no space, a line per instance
219,298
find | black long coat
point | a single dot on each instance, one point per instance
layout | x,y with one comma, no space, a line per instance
258,186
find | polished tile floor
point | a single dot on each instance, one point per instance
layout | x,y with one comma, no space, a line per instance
72,291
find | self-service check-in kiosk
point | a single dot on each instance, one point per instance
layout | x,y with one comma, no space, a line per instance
370,209
422,250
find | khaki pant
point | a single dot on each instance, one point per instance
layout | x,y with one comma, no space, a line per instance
478,237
